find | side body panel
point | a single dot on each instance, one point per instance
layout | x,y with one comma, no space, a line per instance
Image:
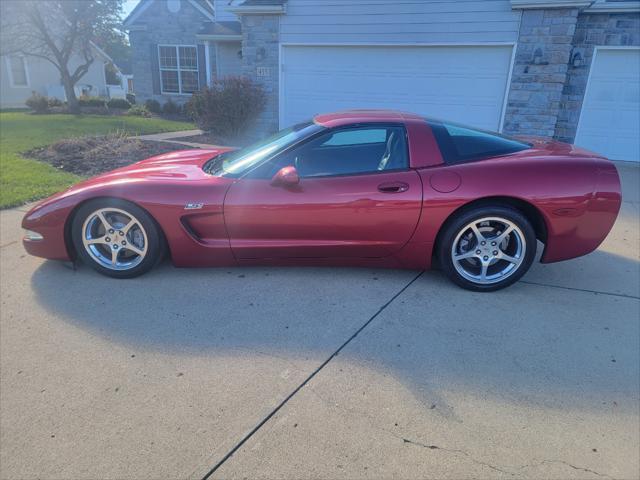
577,197
323,217
161,185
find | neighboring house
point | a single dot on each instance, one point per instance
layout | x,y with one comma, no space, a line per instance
20,75
568,69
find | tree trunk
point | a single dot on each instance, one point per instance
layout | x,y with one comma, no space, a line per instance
72,100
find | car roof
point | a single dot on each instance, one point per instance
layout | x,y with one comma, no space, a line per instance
349,117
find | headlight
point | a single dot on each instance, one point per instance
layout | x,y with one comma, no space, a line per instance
33,236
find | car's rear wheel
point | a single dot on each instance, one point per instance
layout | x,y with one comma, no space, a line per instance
487,248
115,237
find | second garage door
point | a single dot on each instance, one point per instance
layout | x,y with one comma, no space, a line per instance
610,119
459,83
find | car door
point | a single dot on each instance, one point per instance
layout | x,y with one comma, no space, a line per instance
356,197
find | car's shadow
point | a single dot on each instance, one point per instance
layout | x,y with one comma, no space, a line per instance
536,343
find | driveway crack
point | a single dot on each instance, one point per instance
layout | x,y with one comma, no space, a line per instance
8,244
502,468
582,469
575,289
459,452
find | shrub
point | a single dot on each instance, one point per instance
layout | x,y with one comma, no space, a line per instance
38,103
139,111
227,107
153,106
119,103
85,101
171,107
131,98
55,102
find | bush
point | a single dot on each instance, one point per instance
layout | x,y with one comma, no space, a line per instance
171,107
38,103
119,103
55,102
85,101
139,111
227,107
131,98
153,106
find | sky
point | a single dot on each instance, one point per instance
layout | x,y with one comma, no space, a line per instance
128,6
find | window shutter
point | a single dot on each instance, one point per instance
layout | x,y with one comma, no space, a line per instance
202,67
155,69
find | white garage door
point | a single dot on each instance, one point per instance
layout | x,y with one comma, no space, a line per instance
610,119
460,83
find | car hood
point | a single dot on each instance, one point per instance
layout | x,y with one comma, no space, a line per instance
179,165
169,168
182,165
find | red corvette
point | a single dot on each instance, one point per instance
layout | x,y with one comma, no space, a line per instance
362,188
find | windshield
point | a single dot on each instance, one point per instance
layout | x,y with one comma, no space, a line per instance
237,162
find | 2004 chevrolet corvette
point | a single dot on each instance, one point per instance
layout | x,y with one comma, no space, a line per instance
361,188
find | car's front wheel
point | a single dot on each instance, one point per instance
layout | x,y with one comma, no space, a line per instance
487,248
115,237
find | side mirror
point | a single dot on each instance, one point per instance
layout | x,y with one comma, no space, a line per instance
286,177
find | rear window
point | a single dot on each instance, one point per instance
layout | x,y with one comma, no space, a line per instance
460,144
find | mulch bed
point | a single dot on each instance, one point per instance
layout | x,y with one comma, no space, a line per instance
92,155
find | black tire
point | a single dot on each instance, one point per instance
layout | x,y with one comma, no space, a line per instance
456,227
154,238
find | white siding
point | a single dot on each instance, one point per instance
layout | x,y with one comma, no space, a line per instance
402,21
44,78
222,14
228,63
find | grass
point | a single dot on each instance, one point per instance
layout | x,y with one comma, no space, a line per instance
23,180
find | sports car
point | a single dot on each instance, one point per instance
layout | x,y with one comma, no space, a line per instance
356,188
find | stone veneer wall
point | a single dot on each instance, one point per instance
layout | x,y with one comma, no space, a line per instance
536,88
593,29
162,27
260,63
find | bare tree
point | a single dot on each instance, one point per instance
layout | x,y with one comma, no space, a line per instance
59,31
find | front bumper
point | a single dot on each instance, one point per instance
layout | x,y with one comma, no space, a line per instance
48,220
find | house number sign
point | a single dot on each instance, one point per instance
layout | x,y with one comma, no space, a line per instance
263,71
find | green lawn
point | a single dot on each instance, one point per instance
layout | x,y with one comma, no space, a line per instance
23,180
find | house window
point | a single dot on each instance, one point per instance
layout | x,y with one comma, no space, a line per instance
17,66
178,69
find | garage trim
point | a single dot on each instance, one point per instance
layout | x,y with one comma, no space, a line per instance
281,65
596,49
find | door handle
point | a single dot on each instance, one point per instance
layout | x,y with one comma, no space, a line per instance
393,187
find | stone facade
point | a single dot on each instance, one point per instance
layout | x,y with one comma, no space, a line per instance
540,71
161,27
592,30
260,63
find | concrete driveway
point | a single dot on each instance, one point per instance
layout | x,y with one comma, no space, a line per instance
321,373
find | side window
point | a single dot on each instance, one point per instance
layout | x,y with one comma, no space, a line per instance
345,151
459,144
357,136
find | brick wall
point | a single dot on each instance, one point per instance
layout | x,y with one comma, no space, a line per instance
540,71
614,29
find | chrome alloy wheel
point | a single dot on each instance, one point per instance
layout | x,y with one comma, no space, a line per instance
488,250
114,238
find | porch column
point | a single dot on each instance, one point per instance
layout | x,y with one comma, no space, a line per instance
207,60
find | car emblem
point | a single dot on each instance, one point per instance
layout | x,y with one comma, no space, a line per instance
193,206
